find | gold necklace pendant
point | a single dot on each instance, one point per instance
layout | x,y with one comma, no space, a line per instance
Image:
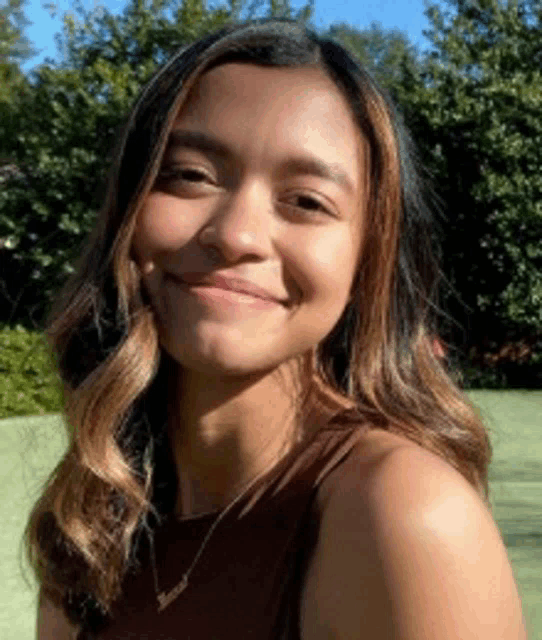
165,599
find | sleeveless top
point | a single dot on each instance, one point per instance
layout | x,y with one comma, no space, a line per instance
247,583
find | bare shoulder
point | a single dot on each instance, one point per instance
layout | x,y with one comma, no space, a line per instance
382,457
407,550
52,622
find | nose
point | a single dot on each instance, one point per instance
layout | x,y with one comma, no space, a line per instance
243,226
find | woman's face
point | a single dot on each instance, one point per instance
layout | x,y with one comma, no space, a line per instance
270,158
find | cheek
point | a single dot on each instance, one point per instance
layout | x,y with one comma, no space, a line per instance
330,266
163,225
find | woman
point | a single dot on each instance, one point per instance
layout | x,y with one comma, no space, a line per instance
263,442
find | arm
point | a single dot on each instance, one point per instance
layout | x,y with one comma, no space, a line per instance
408,551
52,621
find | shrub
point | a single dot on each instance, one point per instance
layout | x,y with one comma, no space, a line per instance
29,384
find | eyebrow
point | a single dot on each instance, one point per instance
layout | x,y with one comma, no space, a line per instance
293,165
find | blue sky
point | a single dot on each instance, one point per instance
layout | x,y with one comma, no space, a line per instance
406,15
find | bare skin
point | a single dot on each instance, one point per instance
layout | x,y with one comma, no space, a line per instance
407,550
207,483
276,224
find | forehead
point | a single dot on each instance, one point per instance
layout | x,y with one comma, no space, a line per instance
238,79
286,96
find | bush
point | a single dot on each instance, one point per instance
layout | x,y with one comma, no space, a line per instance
29,384
511,364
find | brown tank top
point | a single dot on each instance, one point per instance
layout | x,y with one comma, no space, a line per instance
247,583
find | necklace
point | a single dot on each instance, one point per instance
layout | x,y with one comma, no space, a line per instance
165,598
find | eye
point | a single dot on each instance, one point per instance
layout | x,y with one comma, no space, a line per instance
183,174
310,204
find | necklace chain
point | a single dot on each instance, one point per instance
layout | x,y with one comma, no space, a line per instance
165,598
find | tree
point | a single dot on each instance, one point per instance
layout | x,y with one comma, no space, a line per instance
385,53
473,105
14,48
62,131
475,112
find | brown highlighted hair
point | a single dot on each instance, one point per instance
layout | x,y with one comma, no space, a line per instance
117,477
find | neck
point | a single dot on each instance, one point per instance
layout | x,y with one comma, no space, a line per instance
225,433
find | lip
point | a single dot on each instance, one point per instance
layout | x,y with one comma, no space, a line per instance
229,283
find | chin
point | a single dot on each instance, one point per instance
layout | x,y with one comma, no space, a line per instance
230,361
222,364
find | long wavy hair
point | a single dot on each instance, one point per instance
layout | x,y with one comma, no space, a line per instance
117,476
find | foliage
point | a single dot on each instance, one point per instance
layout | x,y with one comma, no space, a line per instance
29,384
59,138
473,105
475,112
507,374
385,53
14,48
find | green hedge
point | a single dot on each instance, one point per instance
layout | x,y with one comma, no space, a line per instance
29,384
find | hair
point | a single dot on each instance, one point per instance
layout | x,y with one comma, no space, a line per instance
117,473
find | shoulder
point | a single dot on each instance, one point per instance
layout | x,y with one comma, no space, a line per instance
406,550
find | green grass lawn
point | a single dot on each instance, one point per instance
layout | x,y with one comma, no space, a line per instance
31,446
515,422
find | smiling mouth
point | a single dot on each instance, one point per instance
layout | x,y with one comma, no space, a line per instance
224,297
